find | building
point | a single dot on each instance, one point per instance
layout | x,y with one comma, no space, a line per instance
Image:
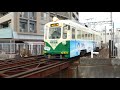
65,15
27,27
106,35
117,36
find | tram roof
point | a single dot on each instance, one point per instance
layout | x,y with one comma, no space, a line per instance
75,24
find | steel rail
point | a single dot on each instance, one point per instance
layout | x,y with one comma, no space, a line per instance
39,70
3,70
18,62
32,70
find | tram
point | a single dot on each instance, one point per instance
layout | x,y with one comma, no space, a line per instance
67,39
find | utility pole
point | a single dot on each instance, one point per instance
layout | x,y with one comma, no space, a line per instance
113,41
111,25
112,34
105,34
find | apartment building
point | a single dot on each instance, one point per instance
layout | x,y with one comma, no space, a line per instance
108,35
28,27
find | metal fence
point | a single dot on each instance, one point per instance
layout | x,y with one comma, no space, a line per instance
114,48
10,50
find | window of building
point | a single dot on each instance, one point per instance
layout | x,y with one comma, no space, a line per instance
5,24
32,15
50,18
43,16
24,14
42,27
23,25
9,24
32,27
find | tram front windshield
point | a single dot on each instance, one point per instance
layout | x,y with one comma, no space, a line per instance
54,33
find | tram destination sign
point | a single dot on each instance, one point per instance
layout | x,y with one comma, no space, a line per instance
55,24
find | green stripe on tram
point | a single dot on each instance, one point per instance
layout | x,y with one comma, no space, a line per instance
60,49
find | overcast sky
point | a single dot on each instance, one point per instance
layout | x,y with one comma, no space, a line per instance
100,16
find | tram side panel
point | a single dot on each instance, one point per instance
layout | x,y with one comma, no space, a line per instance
77,46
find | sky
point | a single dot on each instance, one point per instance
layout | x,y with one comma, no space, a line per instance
100,16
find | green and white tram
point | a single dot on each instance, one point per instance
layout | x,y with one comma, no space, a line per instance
66,39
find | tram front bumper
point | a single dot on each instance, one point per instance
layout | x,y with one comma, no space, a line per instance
56,52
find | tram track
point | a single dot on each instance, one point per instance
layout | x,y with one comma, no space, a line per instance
10,63
20,66
42,71
17,69
31,67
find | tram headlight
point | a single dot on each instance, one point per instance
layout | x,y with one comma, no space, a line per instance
65,52
64,42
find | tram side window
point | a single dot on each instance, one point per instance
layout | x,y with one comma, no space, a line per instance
96,38
79,34
93,36
83,34
89,36
65,28
73,33
86,36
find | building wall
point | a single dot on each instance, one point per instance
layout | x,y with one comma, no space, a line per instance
41,19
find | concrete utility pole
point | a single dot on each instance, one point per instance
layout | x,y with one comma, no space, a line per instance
112,34
105,34
111,48
111,24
